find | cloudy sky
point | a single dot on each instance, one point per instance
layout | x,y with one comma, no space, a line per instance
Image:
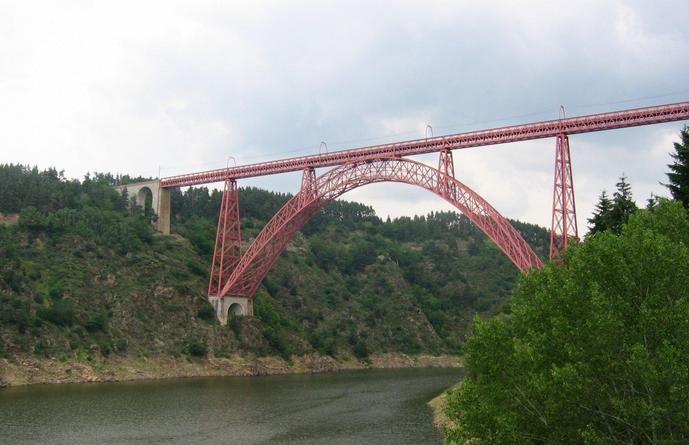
174,87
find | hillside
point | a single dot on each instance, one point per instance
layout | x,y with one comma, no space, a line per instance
82,277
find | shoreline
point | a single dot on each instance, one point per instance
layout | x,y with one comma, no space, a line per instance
28,370
437,405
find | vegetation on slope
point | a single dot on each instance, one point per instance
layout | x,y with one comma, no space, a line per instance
82,275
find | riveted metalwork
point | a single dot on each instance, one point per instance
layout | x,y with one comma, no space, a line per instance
228,239
564,229
537,130
234,274
272,240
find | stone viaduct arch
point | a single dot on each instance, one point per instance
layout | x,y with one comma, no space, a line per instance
248,271
160,202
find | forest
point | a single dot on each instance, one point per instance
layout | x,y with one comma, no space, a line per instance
84,275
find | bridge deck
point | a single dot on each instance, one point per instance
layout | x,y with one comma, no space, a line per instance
536,130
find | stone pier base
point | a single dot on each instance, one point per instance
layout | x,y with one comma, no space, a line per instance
228,306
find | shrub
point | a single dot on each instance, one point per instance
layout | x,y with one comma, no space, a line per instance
15,312
61,313
196,268
360,349
197,349
99,323
55,292
277,340
121,345
206,313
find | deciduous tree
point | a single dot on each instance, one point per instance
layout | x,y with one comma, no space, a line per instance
594,351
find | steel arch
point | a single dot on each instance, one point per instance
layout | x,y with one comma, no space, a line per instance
271,241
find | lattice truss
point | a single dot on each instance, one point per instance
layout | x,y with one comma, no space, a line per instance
317,192
228,239
564,221
234,274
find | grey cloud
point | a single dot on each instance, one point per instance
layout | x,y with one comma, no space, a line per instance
185,85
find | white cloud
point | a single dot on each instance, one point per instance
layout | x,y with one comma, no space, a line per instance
131,86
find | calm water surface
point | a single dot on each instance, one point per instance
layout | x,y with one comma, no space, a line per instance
356,407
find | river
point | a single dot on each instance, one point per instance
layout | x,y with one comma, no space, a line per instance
352,407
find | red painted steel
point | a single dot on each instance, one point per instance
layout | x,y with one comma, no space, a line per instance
228,239
309,186
446,166
538,130
271,241
365,165
564,223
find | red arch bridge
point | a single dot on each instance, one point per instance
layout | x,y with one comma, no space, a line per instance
235,275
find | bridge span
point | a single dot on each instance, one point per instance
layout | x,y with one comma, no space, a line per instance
494,136
235,275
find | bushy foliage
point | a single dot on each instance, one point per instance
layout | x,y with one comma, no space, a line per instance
206,313
594,351
276,326
49,203
197,348
98,323
14,311
49,190
60,313
81,270
110,228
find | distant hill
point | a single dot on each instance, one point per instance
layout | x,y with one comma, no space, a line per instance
81,275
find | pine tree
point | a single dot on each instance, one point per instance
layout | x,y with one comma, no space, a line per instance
679,170
613,214
602,215
623,205
653,201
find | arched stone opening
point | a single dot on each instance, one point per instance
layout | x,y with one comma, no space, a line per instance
144,199
228,307
235,310
152,200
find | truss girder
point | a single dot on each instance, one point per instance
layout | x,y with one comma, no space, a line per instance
536,130
272,240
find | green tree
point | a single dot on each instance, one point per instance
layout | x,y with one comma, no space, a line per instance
602,215
594,351
613,214
623,205
678,176
30,218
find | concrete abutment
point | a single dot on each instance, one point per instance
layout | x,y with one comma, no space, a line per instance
225,307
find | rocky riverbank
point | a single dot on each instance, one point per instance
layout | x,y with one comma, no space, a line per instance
31,370
438,405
